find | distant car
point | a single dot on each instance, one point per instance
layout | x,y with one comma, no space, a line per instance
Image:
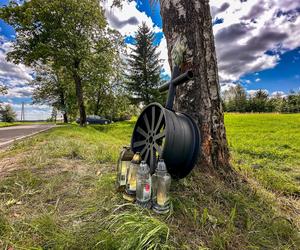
95,119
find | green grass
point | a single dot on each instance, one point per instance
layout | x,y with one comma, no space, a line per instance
57,191
267,146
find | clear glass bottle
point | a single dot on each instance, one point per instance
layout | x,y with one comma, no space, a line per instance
131,174
143,188
161,182
123,165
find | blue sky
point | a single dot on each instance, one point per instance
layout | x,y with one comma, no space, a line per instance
285,76
257,41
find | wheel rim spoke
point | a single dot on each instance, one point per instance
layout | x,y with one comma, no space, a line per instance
160,135
139,143
153,118
151,158
146,122
150,133
159,121
158,149
147,154
142,132
144,149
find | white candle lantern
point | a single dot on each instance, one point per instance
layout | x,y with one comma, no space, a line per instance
131,174
143,188
161,182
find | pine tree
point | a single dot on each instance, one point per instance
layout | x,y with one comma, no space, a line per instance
144,68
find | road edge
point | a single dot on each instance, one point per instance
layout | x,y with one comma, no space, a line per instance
7,143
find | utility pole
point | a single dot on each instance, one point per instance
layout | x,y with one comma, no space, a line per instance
23,112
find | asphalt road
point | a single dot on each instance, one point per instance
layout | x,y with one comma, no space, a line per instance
9,134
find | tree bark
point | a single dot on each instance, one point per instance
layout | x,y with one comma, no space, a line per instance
97,106
65,115
79,96
63,105
189,23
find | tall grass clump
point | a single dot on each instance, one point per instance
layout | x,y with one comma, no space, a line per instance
135,230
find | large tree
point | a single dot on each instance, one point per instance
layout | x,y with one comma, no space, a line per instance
235,99
144,67
259,101
100,71
52,87
65,32
187,25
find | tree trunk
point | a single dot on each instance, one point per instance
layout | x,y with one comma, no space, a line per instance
97,106
79,96
187,25
63,105
65,115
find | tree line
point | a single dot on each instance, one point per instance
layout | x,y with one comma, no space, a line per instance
80,64
236,99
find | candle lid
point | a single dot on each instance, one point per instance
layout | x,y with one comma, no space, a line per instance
161,166
144,168
136,158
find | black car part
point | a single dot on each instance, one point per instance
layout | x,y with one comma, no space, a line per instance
160,132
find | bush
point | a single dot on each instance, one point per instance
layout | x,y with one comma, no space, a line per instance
7,114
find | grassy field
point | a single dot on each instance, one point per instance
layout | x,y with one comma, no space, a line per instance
267,146
57,192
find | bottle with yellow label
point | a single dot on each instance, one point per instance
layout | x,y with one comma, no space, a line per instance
161,182
131,174
122,168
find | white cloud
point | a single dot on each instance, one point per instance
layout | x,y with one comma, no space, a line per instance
127,19
10,73
251,92
226,86
278,94
249,30
20,92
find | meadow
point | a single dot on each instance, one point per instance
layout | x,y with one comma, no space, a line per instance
57,191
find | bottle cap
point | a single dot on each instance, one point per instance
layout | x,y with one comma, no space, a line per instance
144,168
136,158
161,166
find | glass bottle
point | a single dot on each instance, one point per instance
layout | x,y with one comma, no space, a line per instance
131,174
123,165
161,182
143,188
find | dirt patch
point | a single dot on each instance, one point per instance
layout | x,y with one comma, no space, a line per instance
10,164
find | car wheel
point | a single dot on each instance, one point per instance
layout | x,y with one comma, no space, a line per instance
87,123
105,122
